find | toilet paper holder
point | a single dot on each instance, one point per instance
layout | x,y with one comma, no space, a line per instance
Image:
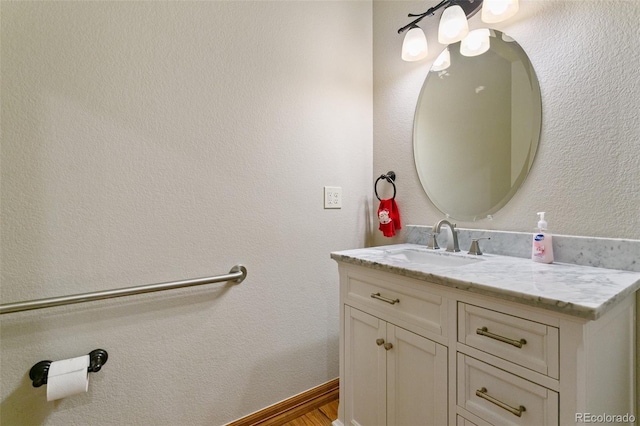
39,372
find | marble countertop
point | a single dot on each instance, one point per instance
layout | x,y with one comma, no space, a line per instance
581,291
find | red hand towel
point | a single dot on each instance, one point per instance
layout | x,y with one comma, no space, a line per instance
389,217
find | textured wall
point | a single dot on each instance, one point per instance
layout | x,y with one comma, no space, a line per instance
153,141
586,174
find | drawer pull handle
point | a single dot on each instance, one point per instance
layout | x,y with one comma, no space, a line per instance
387,346
485,332
379,342
482,393
385,299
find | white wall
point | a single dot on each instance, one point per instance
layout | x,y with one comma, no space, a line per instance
146,142
586,174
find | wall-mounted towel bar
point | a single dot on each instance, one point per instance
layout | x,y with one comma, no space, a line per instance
238,273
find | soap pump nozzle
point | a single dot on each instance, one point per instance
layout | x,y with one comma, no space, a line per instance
542,224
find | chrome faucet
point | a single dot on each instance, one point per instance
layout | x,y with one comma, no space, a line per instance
452,240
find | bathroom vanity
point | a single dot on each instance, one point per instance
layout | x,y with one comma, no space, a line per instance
434,338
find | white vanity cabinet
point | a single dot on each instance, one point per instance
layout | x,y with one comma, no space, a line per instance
417,353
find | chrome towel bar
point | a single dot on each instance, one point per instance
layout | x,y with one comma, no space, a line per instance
237,274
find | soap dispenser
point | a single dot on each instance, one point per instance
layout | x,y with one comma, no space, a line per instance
542,250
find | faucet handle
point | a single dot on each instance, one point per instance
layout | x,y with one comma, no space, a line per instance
475,247
433,243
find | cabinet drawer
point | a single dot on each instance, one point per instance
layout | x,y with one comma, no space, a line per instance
523,342
405,302
502,398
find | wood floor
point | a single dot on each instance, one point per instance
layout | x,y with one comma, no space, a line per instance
316,407
322,416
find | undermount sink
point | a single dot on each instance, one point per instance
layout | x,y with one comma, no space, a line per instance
433,258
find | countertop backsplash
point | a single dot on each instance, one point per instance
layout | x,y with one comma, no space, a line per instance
607,253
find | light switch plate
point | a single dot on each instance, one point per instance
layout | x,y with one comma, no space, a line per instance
332,197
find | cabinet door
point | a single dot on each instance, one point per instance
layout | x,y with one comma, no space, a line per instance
416,380
365,369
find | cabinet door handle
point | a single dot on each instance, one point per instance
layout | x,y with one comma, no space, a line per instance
385,299
485,332
381,342
482,393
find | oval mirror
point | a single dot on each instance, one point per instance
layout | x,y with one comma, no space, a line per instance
477,126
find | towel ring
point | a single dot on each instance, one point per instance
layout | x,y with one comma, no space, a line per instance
389,177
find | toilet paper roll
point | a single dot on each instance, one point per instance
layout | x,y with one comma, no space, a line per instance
68,377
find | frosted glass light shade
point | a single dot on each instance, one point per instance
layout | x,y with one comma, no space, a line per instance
442,62
453,25
414,46
498,10
475,43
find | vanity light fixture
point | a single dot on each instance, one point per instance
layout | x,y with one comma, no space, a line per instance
498,10
442,62
414,46
476,43
453,23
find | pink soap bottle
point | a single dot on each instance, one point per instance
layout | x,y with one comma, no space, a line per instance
542,250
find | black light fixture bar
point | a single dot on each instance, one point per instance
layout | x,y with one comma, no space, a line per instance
470,8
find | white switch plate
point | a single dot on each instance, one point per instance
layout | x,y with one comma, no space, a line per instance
332,197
